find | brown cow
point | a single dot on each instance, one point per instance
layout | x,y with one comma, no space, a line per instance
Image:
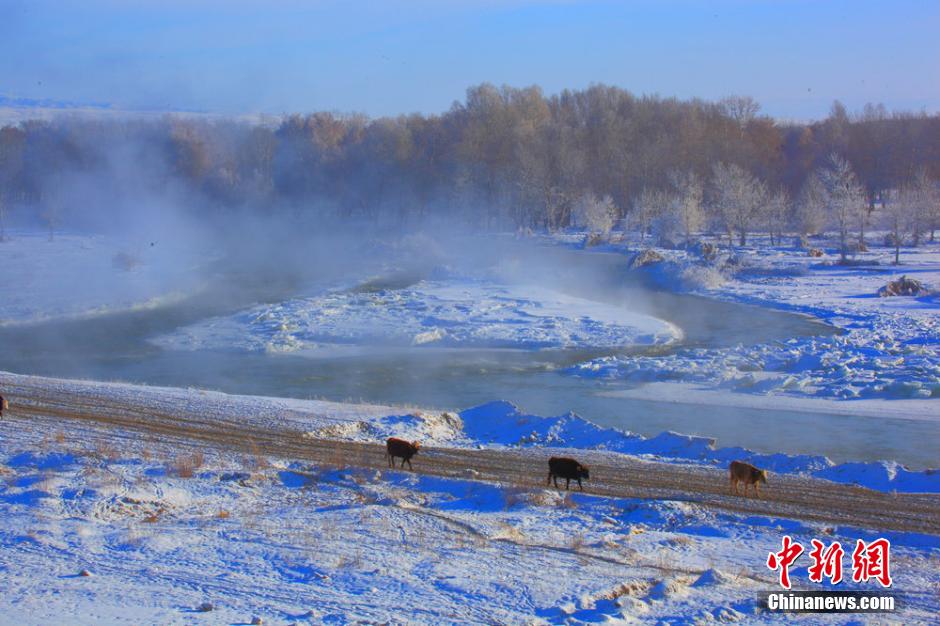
569,469
739,471
3,405
395,447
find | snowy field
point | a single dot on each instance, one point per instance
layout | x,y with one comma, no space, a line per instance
163,531
889,348
455,311
74,276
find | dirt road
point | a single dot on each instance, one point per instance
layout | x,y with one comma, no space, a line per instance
116,421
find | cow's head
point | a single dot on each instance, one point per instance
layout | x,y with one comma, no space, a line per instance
416,445
585,471
762,476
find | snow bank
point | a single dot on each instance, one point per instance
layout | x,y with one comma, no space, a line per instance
455,312
502,423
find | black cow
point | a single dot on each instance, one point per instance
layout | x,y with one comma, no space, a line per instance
395,447
569,469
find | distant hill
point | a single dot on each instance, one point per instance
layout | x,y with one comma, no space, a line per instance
49,103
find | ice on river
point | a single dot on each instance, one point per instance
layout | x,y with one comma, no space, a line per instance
451,313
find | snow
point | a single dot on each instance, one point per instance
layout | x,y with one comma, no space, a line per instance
496,424
703,394
888,350
297,543
291,542
453,312
78,275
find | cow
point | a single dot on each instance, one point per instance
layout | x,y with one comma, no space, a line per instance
3,405
739,471
569,469
395,447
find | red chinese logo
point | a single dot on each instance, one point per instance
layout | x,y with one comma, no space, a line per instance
826,562
872,561
784,559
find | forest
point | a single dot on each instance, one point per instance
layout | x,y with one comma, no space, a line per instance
504,158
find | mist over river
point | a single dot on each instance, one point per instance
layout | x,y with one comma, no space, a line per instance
121,347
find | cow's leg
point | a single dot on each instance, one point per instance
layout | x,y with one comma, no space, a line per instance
734,486
567,483
403,459
556,482
580,485
757,489
409,465
549,480
388,459
746,485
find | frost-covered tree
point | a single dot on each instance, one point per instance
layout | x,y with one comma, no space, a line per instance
777,215
667,222
737,200
810,209
596,215
923,201
845,198
895,217
648,206
688,202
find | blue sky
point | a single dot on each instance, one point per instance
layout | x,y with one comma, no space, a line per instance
380,58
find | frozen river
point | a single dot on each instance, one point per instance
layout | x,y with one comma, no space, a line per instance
116,347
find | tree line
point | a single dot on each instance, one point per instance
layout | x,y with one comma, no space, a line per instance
509,158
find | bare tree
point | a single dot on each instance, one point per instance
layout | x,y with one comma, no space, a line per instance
845,198
742,109
737,200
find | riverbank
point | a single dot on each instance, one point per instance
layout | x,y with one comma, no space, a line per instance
498,425
887,350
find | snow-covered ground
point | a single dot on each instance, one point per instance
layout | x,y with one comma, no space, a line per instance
161,531
453,311
78,275
890,348
496,424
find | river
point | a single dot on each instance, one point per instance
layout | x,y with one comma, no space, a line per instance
115,347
